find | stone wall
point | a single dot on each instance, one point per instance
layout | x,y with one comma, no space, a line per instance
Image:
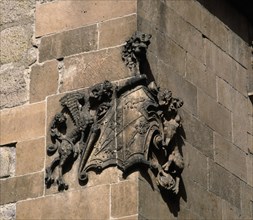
204,58
51,47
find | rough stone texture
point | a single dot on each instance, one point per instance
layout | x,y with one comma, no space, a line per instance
124,199
229,211
7,161
14,11
14,89
43,81
14,43
226,154
169,79
224,184
247,201
214,115
22,123
22,187
203,139
151,203
116,32
88,69
8,212
197,74
225,93
51,18
88,203
195,165
249,163
30,156
68,43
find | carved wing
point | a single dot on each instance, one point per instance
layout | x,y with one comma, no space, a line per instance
73,102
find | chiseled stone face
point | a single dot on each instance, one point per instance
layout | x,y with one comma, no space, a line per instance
7,161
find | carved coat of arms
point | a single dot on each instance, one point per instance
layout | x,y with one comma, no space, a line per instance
124,124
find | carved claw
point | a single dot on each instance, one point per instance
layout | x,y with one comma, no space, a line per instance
49,179
61,184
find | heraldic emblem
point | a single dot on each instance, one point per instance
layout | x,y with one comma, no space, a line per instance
125,124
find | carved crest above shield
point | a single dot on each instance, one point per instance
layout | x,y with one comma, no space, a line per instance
130,123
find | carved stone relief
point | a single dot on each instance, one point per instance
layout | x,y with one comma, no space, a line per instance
124,124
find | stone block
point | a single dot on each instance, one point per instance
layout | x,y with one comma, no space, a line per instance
22,123
40,85
88,203
247,201
68,43
12,11
218,61
151,203
197,74
200,201
197,134
190,11
229,211
30,156
214,29
183,33
240,77
226,154
225,93
51,18
249,164
214,115
224,184
7,161
116,32
169,79
8,211
185,214
195,168
14,89
238,49
14,43
124,199
133,217
169,52
87,69
22,187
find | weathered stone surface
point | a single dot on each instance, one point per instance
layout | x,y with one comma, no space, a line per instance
116,32
8,212
226,154
249,164
247,201
170,53
67,43
7,160
187,214
224,184
218,61
204,203
88,69
30,156
22,187
88,203
197,74
225,93
22,123
240,77
203,139
214,115
151,204
238,49
12,11
43,81
51,18
195,165
168,78
229,211
14,89
214,29
124,199
133,217
14,43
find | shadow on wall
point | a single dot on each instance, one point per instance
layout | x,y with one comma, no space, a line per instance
227,10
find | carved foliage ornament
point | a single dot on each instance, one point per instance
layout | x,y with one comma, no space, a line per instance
123,125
